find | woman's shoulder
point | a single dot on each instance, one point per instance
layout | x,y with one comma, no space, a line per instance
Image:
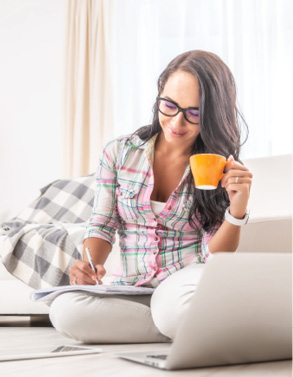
124,141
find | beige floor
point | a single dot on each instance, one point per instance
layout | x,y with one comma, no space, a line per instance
15,334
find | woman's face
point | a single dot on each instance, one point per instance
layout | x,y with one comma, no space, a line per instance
181,88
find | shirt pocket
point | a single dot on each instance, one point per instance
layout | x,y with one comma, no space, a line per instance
184,215
127,202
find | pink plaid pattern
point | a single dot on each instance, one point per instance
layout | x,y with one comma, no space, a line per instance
150,246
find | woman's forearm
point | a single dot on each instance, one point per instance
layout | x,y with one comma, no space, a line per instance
237,182
226,238
99,249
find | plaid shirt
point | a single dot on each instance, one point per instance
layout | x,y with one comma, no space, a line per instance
152,247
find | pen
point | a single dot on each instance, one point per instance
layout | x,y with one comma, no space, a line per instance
89,257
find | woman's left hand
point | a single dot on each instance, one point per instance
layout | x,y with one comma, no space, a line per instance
237,181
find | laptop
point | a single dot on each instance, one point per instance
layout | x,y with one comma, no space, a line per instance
241,312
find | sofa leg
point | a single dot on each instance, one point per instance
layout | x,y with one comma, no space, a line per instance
40,320
17,320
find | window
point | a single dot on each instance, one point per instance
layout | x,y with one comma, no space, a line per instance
253,37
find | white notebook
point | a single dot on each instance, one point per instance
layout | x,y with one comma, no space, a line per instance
48,294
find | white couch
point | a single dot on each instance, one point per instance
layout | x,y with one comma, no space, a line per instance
269,229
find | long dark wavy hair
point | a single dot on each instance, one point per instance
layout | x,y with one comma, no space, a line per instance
221,124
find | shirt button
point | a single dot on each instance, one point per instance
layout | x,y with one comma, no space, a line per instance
156,238
168,208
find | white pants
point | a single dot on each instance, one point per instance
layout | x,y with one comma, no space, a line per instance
127,319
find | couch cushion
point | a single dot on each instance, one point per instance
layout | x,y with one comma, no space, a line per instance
271,190
14,299
269,235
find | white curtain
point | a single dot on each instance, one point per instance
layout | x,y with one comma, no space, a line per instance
87,92
117,49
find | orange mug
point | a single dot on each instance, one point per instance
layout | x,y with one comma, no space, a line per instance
207,170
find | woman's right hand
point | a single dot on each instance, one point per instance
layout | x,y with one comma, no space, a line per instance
82,274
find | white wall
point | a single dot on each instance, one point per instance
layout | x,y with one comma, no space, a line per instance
31,48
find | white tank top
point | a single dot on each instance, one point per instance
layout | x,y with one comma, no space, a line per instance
157,207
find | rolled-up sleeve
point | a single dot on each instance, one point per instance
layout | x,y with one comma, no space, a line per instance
103,220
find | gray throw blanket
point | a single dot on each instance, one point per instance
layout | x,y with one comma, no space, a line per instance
40,244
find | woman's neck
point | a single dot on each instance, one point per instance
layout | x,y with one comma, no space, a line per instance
165,148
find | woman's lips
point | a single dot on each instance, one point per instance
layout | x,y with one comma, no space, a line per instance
175,133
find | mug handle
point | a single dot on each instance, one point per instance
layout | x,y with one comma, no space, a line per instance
223,169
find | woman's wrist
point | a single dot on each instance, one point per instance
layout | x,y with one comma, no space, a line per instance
238,211
237,220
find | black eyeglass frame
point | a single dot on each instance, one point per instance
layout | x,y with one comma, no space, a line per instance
180,109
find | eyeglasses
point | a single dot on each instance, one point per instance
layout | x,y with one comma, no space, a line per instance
171,109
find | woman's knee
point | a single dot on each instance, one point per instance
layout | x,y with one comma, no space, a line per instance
172,298
65,314
166,311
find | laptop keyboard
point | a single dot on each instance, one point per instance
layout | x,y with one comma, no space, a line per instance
162,357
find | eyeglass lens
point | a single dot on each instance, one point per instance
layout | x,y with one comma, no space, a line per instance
171,109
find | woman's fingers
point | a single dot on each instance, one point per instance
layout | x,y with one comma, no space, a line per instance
236,173
82,274
239,178
237,181
100,271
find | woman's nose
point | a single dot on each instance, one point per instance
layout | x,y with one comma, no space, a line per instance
178,119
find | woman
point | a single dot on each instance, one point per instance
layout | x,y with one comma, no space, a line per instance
166,227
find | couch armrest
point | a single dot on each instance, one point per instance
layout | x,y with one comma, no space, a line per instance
270,235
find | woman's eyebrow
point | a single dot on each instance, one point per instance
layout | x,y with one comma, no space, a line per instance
167,97
176,103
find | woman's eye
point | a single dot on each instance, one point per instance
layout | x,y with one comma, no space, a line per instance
193,113
170,105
